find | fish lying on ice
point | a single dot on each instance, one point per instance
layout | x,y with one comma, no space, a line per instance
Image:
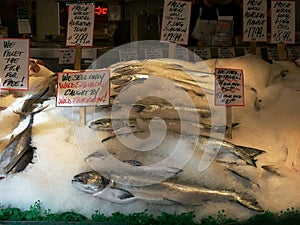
139,124
18,150
170,191
195,84
162,160
213,146
160,110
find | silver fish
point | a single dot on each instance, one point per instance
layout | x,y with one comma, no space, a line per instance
139,124
166,192
164,111
247,154
16,148
15,154
181,76
213,146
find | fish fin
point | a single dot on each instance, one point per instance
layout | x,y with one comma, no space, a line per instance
235,124
242,177
115,194
171,201
108,138
174,170
133,162
123,194
11,137
249,154
272,169
105,190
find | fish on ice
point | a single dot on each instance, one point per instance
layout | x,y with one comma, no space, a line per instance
170,191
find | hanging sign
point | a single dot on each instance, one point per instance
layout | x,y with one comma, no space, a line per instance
86,88
255,20
176,21
80,30
66,56
14,64
229,87
283,23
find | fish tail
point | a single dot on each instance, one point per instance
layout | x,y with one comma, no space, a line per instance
272,169
249,154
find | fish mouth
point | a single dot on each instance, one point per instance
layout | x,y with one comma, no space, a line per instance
78,179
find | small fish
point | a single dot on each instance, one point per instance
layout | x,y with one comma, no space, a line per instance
166,192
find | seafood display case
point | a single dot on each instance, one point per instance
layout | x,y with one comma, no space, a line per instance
160,142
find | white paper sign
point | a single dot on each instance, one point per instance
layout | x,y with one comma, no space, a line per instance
202,53
128,54
14,63
283,22
80,25
153,53
229,87
226,52
293,52
66,56
255,20
176,21
182,53
86,88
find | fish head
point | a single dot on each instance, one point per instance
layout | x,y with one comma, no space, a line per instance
90,182
104,124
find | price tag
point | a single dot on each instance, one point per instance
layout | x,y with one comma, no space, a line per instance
255,20
176,21
80,25
283,22
229,87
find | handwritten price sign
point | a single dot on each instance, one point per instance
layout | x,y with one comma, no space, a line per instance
283,22
14,64
86,88
229,87
80,25
176,21
255,20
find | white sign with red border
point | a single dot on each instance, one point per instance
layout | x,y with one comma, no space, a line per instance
14,65
229,87
85,88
